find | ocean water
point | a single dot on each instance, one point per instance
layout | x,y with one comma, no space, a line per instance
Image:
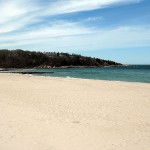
131,73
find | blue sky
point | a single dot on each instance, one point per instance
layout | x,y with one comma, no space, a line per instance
118,30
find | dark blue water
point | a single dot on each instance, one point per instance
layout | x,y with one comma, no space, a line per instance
132,73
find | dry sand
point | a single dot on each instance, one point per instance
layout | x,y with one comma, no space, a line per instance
43,113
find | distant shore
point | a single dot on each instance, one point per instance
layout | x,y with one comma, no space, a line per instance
61,67
50,67
28,59
13,70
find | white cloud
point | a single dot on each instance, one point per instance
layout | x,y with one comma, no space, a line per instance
14,15
121,37
69,6
17,16
91,19
15,9
44,33
58,38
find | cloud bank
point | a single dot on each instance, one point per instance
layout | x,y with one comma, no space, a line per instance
32,25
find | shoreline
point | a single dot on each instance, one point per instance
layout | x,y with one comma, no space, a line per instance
73,78
68,77
61,67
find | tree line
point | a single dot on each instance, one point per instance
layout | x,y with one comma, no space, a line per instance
28,59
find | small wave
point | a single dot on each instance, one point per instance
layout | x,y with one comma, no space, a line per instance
68,77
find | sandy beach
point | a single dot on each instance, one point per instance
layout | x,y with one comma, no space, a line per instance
44,113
